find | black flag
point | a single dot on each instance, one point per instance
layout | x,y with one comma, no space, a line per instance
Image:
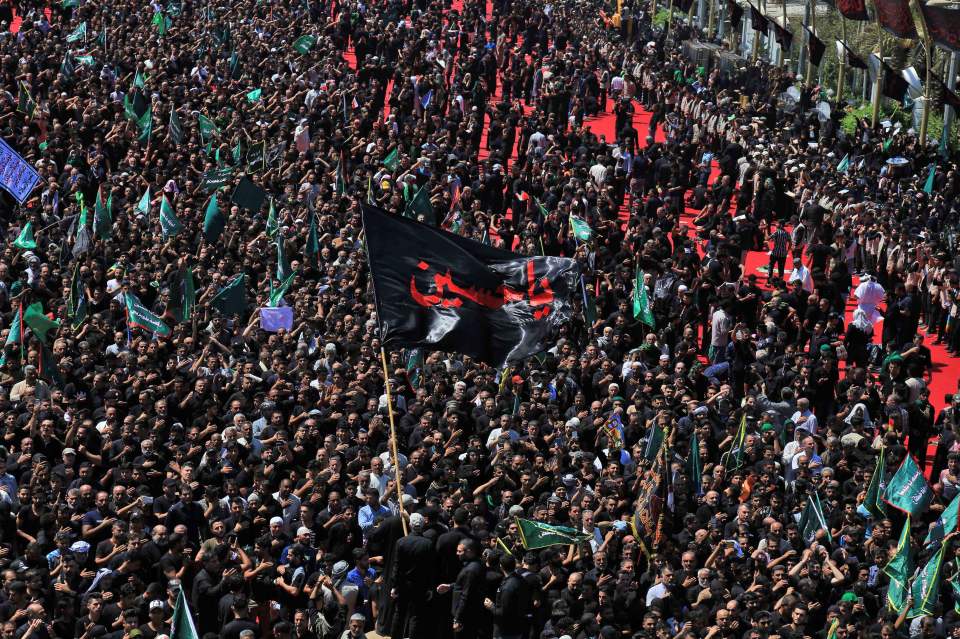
440,291
894,86
783,37
815,47
950,98
758,21
736,13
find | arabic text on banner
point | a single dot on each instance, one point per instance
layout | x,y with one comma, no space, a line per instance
16,174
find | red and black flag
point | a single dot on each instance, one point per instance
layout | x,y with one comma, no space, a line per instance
853,9
943,23
736,13
758,21
815,47
895,17
441,291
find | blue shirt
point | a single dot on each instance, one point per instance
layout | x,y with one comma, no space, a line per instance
366,515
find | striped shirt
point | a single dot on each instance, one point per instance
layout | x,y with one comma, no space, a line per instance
781,241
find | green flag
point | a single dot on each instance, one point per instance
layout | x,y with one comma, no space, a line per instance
304,43
844,164
67,67
235,69
208,129
139,81
25,102
874,499
420,206
174,127
537,534
340,182
77,299
926,586
273,225
276,295
955,587
183,627
139,316
392,160
39,323
146,125
86,60
102,224
694,465
188,296
236,154
283,266
733,458
899,569
908,490
25,240
144,205
15,334
213,221
169,224
641,304
581,230
231,299
654,442
254,95
928,185
886,144
311,252
812,519
832,630
161,22
946,523
70,4
80,33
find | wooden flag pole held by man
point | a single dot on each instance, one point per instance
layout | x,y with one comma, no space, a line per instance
393,440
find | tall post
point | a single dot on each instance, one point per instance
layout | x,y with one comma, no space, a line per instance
783,13
813,30
840,60
711,18
670,18
875,115
393,440
948,112
702,14
925,118
802,53
929,51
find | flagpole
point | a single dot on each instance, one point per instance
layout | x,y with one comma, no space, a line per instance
875,115
840,60
813,32
928,50
784,53
949,113
393,440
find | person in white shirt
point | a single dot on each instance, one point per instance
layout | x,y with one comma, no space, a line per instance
804,416
801,273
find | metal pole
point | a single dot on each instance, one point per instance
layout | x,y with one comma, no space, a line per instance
840,60
702,14
711,18
393,440
670,18
875,114
925,119
783,11
948,112
802,54
813,30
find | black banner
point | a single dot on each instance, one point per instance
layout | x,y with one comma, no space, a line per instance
783,37
736,13
894,86
815,48
758,21
440,291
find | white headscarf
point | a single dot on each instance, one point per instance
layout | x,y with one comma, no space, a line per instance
861,321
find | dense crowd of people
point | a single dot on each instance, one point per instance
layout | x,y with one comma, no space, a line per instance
249,467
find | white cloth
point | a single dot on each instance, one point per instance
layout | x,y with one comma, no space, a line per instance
869,294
